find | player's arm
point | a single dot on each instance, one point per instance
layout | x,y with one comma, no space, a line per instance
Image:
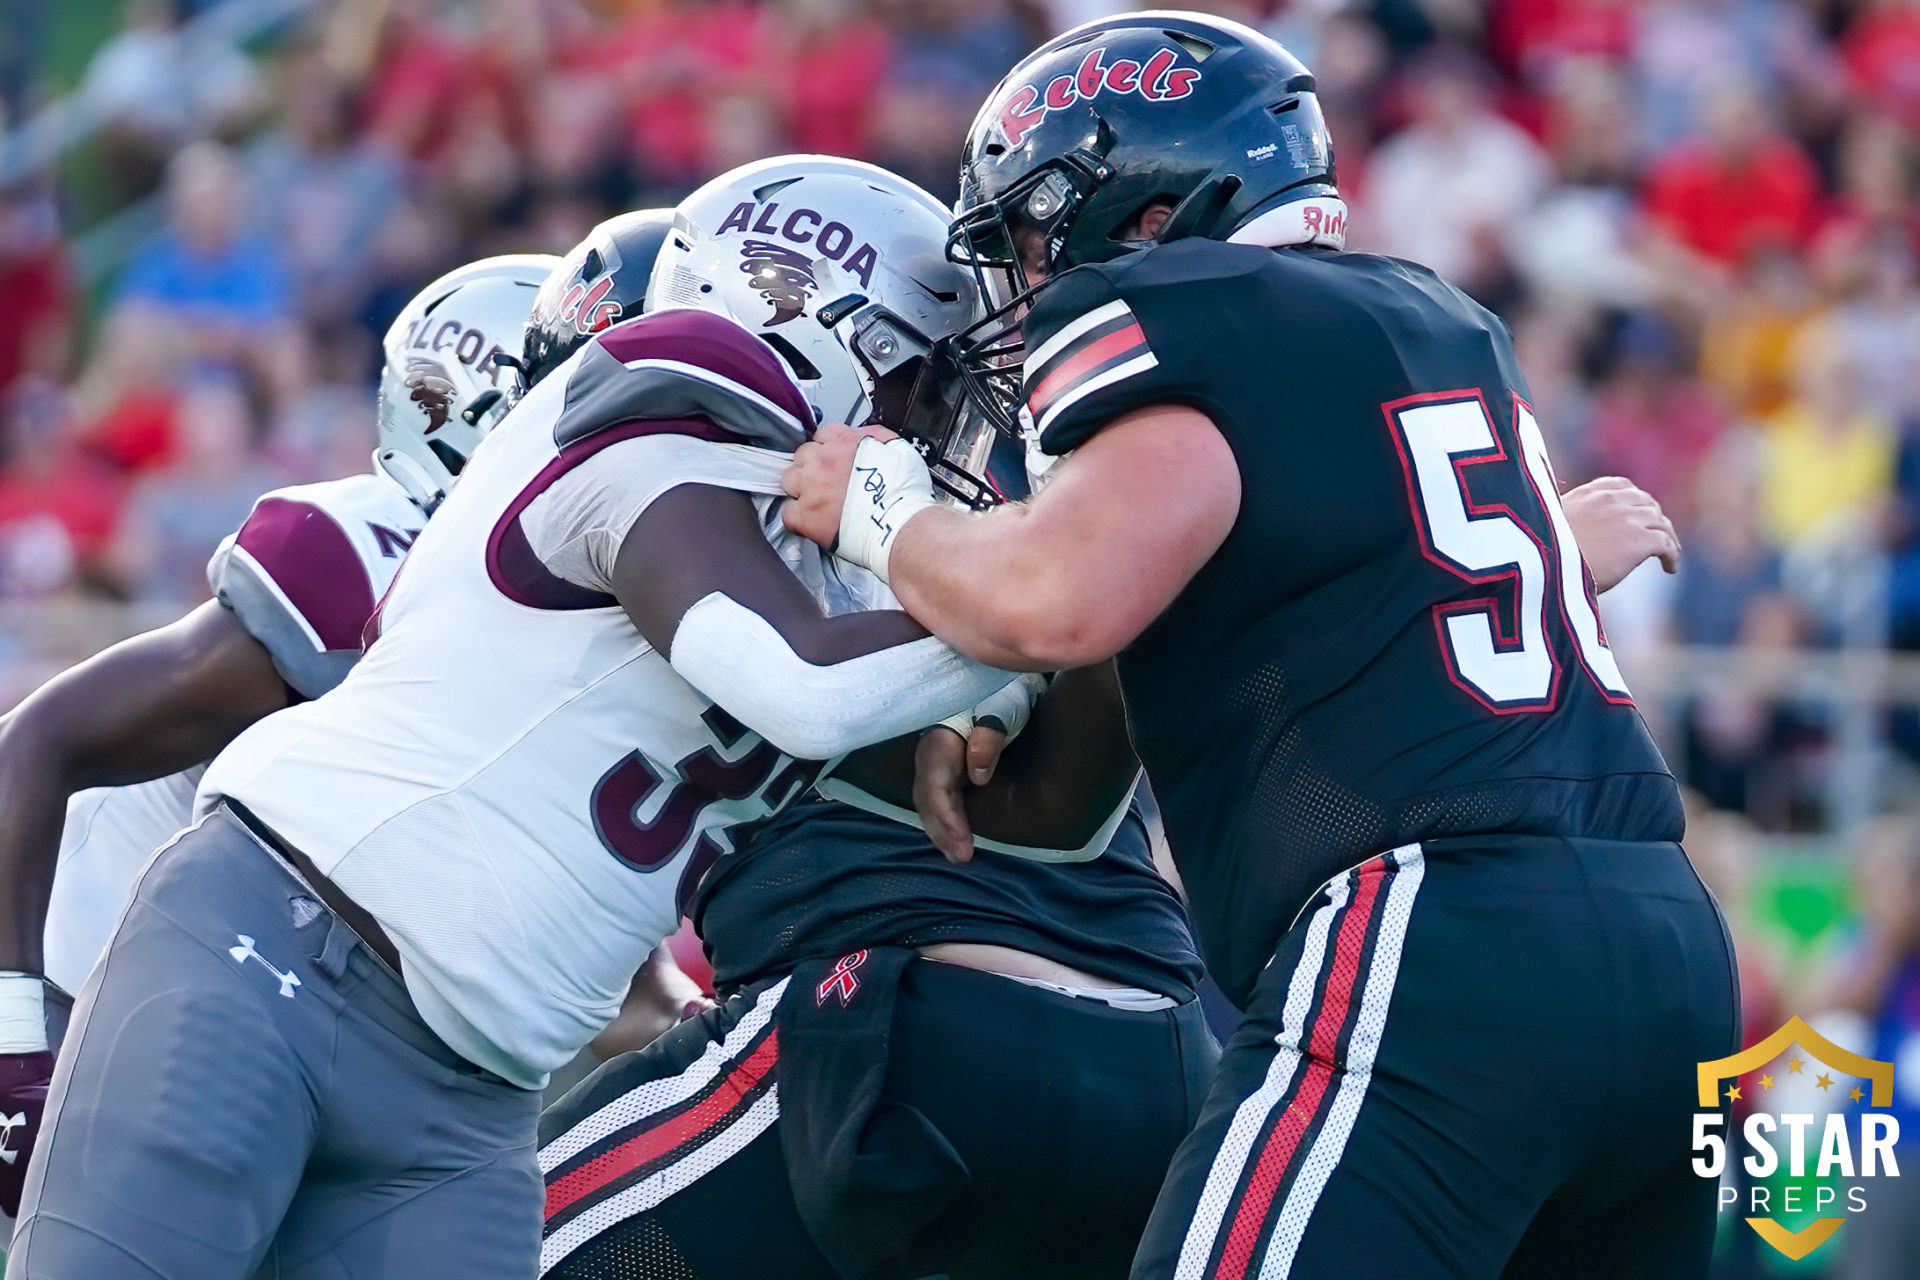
698,577
143,709
1074,576
1145,493
659,999
1066,580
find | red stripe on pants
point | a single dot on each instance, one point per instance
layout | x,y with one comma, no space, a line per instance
712,1114
1283,1143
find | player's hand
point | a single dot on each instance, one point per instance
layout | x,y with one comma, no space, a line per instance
660,998
941,765
817,480
1618,525
24,1078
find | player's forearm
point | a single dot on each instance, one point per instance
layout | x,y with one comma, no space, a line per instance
143,709
983,585
33,799
703,586
760,673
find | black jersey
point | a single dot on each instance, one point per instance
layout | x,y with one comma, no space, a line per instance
826,879
1398,638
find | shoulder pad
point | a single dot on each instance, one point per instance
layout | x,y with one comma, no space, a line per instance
1082,337
1146,328
684,364
303,572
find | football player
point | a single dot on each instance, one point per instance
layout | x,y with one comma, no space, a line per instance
1089,965
1429,845
293,587
317,1038
919,1068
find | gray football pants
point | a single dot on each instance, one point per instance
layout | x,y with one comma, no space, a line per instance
247,1091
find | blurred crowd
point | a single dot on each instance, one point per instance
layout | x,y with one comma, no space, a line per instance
1698,217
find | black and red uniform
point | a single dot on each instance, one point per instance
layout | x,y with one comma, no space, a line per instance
1429,845
853,1111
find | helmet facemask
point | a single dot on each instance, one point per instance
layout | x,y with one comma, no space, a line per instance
948,422
970,388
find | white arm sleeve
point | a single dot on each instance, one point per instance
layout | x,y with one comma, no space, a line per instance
814,711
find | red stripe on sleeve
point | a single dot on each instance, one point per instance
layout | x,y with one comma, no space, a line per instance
1082,362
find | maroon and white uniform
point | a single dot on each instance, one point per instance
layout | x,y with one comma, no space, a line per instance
517,784
302,575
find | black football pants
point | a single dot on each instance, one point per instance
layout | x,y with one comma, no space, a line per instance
1011,1134
1469,1060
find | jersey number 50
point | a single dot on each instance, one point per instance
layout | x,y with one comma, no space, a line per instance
1450,448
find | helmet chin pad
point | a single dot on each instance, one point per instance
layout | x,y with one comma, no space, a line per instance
425,489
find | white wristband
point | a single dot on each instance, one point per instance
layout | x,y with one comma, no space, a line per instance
1011,707
890,485
23,1013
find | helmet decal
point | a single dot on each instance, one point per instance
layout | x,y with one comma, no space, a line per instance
601,282
783,276
445,336
587,308
429,387
771,244
1158,79
831,240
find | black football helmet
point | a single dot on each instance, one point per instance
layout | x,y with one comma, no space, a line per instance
1205,115
601,282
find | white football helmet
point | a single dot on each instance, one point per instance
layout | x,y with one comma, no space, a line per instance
840,266
442,389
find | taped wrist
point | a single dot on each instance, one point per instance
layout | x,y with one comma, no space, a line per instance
23,1013
890,485
1007,709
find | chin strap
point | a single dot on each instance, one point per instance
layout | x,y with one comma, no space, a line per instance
1318,220
426,493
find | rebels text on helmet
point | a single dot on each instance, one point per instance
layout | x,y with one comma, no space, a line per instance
1157,80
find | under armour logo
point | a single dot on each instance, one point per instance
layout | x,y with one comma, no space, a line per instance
244,952
7,1125
841,981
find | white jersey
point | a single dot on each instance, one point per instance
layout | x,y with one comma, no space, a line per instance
513,782
302,575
